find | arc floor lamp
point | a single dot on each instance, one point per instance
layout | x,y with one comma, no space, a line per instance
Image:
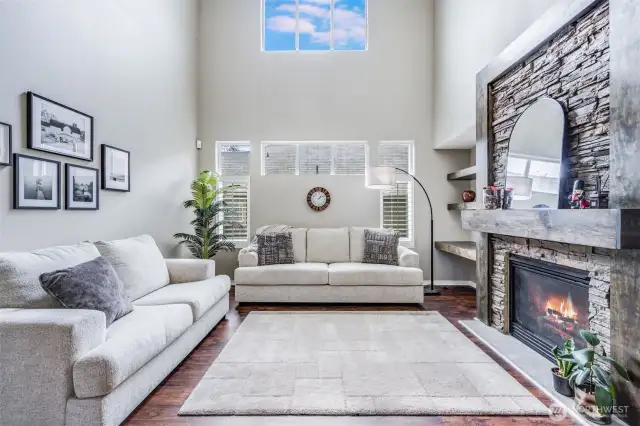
384,177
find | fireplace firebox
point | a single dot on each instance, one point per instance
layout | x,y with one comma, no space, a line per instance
545,303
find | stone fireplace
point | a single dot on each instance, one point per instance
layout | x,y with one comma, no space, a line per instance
545,274
584,55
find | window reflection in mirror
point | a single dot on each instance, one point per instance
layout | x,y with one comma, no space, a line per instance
534,163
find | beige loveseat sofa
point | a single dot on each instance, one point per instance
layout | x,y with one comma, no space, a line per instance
329,269
65,367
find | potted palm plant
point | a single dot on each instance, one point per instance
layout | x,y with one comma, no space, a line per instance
207,205
594,390
562,372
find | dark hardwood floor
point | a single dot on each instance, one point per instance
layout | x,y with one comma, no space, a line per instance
161,407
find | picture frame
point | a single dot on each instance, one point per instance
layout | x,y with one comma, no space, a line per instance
115,168
36,183
6,144
81,187
58,129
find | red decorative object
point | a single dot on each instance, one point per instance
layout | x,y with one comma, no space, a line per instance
468,196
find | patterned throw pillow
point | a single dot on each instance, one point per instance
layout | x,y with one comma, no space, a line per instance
268,229
275,248
381,247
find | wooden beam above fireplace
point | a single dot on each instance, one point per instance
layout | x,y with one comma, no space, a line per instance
611,228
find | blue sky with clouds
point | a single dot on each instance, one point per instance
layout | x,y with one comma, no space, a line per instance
349,26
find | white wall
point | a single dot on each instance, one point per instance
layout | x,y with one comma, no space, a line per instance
382,94
130,64
468,34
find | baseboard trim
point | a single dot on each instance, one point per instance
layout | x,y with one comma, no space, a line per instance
450,283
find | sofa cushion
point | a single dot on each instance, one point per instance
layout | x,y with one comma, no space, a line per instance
20,272
138,262
329,245
296,274
199,295
89,285
131,342
356,242
368,274
299,239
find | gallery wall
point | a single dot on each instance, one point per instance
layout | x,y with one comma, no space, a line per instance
129,64
468,34
383,94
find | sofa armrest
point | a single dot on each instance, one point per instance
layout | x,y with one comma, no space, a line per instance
38,348
247,258
190,270
408,258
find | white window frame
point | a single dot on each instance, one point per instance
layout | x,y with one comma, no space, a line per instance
242,180
297,144
263,30
403,178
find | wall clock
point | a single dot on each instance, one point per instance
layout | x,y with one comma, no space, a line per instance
318,199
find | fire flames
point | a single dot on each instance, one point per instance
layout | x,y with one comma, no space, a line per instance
561,307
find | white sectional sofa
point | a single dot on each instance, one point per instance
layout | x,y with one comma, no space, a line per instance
329,269
65,367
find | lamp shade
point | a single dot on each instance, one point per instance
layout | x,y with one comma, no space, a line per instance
380,177
522,187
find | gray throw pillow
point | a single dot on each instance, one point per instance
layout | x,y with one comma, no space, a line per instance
381,247
89,285
275,249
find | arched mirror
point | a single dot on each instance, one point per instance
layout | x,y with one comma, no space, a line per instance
536,153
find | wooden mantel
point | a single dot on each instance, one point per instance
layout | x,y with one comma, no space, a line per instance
613,229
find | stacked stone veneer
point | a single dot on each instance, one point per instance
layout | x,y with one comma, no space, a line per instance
572,68
596,261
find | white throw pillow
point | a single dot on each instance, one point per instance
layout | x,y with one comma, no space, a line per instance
20,273
356,242
328,245
138,262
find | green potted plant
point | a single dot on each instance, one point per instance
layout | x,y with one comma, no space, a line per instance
562,372
207,204
594,390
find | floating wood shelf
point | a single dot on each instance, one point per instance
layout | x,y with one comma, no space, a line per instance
462,206
607,228
465,174
465,249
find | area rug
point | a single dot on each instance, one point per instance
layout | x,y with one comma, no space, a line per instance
352,363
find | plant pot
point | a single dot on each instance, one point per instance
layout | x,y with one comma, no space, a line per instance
585,404
561,384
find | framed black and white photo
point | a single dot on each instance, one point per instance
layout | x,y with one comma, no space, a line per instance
116,169
56,128
5,144
36,183
82,188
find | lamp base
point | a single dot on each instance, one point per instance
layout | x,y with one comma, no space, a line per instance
429,292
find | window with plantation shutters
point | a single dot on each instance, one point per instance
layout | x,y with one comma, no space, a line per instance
236,210
314,158
234,159
233,165
349,158
397,209
280,159
396,154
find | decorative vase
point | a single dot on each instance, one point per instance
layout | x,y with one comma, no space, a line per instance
468,196
561,384
586,405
